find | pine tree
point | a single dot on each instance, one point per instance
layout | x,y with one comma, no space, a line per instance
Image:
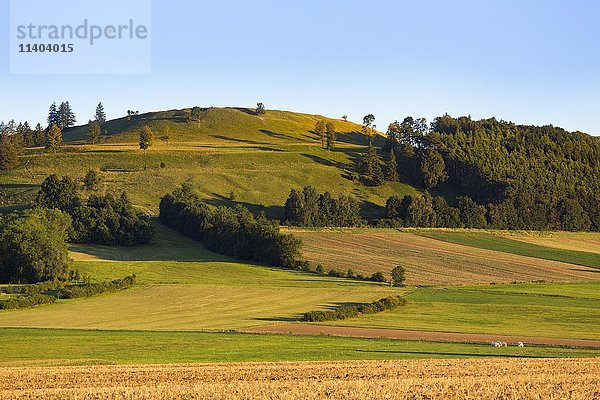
100,114
66,116
94,131
53,116
391,172
371,168
330,132
8,153
27,134
54,139
39,136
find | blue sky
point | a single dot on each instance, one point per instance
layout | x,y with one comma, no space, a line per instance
529,61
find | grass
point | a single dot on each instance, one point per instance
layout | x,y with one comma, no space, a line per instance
429,261
56,346
544,310
182,286
489,241
260,159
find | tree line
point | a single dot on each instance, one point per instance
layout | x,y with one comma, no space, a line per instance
232,231
519,176
101,219
309,208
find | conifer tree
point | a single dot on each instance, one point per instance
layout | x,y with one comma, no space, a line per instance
100,114
54,138
391,171
94,131
8,153
53,116
66,116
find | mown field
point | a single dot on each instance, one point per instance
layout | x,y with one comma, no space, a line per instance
560,249
545,310
182,286
431,258
431,379
28,347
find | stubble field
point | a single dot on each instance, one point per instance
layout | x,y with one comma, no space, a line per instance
415,379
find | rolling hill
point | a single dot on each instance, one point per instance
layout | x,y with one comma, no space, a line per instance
230,153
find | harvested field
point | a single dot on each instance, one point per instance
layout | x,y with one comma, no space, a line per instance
418,379
429,261
576,241
310,329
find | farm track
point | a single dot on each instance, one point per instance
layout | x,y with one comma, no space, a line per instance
415,379
309,329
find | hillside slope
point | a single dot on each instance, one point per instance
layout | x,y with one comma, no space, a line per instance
230,155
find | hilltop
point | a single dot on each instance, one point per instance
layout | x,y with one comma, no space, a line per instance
229,154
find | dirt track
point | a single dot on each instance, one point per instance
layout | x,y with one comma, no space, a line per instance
309,329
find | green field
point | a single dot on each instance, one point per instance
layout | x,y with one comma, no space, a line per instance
79,347
567,310
187,299
259,159
185,287
489,241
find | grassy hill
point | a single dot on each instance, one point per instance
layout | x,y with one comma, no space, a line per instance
229,150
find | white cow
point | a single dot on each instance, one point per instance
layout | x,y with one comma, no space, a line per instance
521,344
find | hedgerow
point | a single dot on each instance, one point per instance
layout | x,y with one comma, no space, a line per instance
344,312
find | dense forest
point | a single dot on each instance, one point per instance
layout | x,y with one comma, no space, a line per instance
527,177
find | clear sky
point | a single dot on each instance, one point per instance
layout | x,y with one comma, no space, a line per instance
529,61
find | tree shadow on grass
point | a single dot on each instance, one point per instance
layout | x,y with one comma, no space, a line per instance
272,212
276,135
236,140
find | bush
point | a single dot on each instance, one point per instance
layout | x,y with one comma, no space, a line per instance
48,292
92,180
27,301
344,312
92,289
378,277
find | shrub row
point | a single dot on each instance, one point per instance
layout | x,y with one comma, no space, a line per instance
48,292
92,289
344,312
307,266
27,301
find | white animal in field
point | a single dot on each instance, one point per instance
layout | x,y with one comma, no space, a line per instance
497,344
521,344
504,344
